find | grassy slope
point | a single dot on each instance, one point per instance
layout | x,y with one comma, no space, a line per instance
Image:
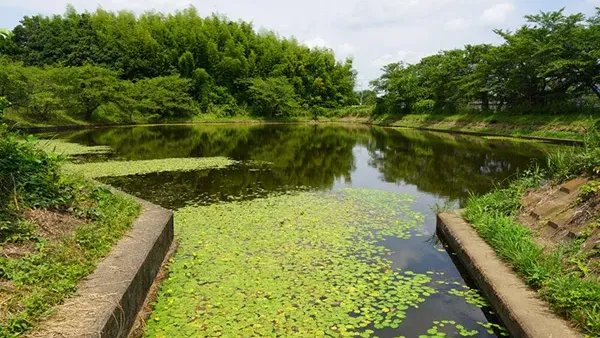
559,275
553,126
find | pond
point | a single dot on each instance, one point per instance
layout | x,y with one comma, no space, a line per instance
313,230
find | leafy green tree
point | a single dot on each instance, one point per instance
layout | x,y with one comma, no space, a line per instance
274,97
476,82
549,64
400,88
157,45
202,87
164,97
186,65
84,89
43,87
14,83
3,105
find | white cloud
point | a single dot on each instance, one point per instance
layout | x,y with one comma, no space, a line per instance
377,13
497,14
456,24
316,42
345,49
403,55
383,60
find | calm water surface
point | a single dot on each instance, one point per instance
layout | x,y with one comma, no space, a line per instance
433,167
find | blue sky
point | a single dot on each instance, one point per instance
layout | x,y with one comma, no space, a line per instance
372,32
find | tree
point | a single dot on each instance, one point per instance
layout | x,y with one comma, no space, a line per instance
202,87
186,64
274,97
158,45
3,105
85,89
14,83
399,87
164,97
368,97
549,64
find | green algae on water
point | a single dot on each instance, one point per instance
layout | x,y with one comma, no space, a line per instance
304,264
126,168
62,147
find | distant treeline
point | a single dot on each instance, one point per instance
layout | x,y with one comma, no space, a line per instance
161,65
550,65
117,67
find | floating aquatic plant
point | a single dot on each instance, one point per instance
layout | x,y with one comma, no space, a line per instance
448,328
301,264
125,168
62,147
471,296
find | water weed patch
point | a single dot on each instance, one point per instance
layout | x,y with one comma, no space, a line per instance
62,147
303,264
126,168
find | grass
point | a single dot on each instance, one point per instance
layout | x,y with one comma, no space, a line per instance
571,292
563,126
126,168
44,257
48,275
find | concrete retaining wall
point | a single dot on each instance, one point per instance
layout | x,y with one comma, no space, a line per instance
108,301
519,308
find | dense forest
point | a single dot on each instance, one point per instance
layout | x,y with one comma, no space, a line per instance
549,65
118,66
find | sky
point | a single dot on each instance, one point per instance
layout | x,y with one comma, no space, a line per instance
372,32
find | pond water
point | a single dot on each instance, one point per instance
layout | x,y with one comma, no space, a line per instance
368,167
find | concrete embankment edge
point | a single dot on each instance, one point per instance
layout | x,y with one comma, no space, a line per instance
108,301
519,308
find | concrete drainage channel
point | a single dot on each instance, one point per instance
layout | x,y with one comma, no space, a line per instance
108,301
521,311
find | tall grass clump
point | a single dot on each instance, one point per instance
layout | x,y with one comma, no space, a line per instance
571,162
570,292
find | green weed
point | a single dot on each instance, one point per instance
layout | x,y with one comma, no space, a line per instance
588,190
126,168
560,276
49,273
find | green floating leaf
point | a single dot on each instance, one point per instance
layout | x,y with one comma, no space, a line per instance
126,168
296,264
62,147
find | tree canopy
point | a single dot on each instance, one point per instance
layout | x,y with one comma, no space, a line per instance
550,64
223,60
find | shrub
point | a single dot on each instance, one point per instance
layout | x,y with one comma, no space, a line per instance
29,178
424,106
3,105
